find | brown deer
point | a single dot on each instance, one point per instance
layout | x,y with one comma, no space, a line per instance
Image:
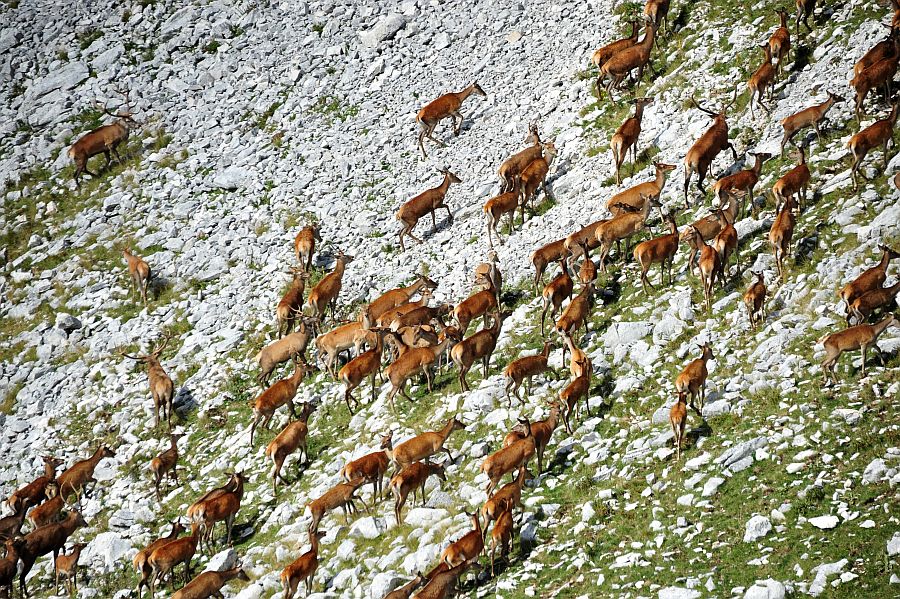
587,272
879,133
103,140
780,42
303,568
279,394
793,183
877,75
781,233
46,539
511,168
426,202
872,278
327,290
866,304
812,116
161,386
657,12
222,508
502,536
578,388
305,245
545,255
140,560
414,361
139,272
742,183
623,62
411,479
805,10
34,492
623,227
701,155
341,338
467,547
394,298
755,300
209,584
426,445
290,347
166,462
480,303
576,313
406,590
600,56
9,564
506,499
73,481
861,337
291,304
446,106
479,346
522,370
167,557
339,496
372,467
555,293
692,380
365,365
678,420
726,243
634,198
534,177
496,208
626,137
509,459
67,566
660,250
542,431
49,511
762,79
292,437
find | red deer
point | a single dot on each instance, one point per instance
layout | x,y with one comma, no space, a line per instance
861,337
426,202
305,245
626,137
707,147
139,272
161,386
103,140
692,380
446,106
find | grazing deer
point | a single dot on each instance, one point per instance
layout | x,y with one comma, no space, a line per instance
139,272
305,245
446,106
161,386
707,147
426,202
327,290
861,337
626,137
879,133
812,116
762,79
755,300
692,380
103,140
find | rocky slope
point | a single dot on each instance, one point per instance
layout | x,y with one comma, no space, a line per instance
258,117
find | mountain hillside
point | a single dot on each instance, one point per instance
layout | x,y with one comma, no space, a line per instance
256,119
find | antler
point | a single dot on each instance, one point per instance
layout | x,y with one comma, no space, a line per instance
697,105
130,357
730,104
159,349
105,108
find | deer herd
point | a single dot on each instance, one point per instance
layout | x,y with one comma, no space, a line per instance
418,339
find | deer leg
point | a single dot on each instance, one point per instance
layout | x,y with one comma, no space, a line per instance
457,125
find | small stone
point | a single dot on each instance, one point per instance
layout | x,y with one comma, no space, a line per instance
757,527
824,522
893,546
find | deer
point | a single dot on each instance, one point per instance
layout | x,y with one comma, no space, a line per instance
372,467
446,106
479,346
572,242
793,183
812,116
805,9
555,293
46,539
67,566
365,365
522,370
490,269
11,525
34,492
414,361
866,304
442,583
339,496
578,388
386,320
886,48
623,226
162,389
506,499
426,202
861,337
412,478
708,227
72,481
710,264
781,233
139,272
49,511
421,316
879,133
587,272
141,558
426,445
467,547
9,564
632,200
406,590
707,147
511,168
659,250
726,243
195,510
165,558
303,568
545,255
876,75
542,431
290,347
280,393
495,209
209,584
305,245
692,380
600,56
762,79
743,182
657,12
341,338
579,362
223,508
678,420
103,140
502,536
780,42
478,304
576,313
626,137
290,439
623,62
394,299
509,458
326,291
534,177
755,300
290,307
871,279
166,462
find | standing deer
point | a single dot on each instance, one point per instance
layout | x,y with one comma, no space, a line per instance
780,42
879,133
103,140
626,137
139,272
622,63
161,387
446,106
704,151
813,116
512,167
326,291
305,245
761,80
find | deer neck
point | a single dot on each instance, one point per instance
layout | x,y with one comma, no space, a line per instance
649,35
783,17
639,111
49,470
880,326
95,459
673,227
414,288
339,268
660,179
645,213
464,94
445,432
757,165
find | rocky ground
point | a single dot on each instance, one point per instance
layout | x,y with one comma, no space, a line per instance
258,117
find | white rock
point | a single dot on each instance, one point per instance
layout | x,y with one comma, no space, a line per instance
893,545
874,472
383,30
370,527
757,527
765,589
824,522
678,593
